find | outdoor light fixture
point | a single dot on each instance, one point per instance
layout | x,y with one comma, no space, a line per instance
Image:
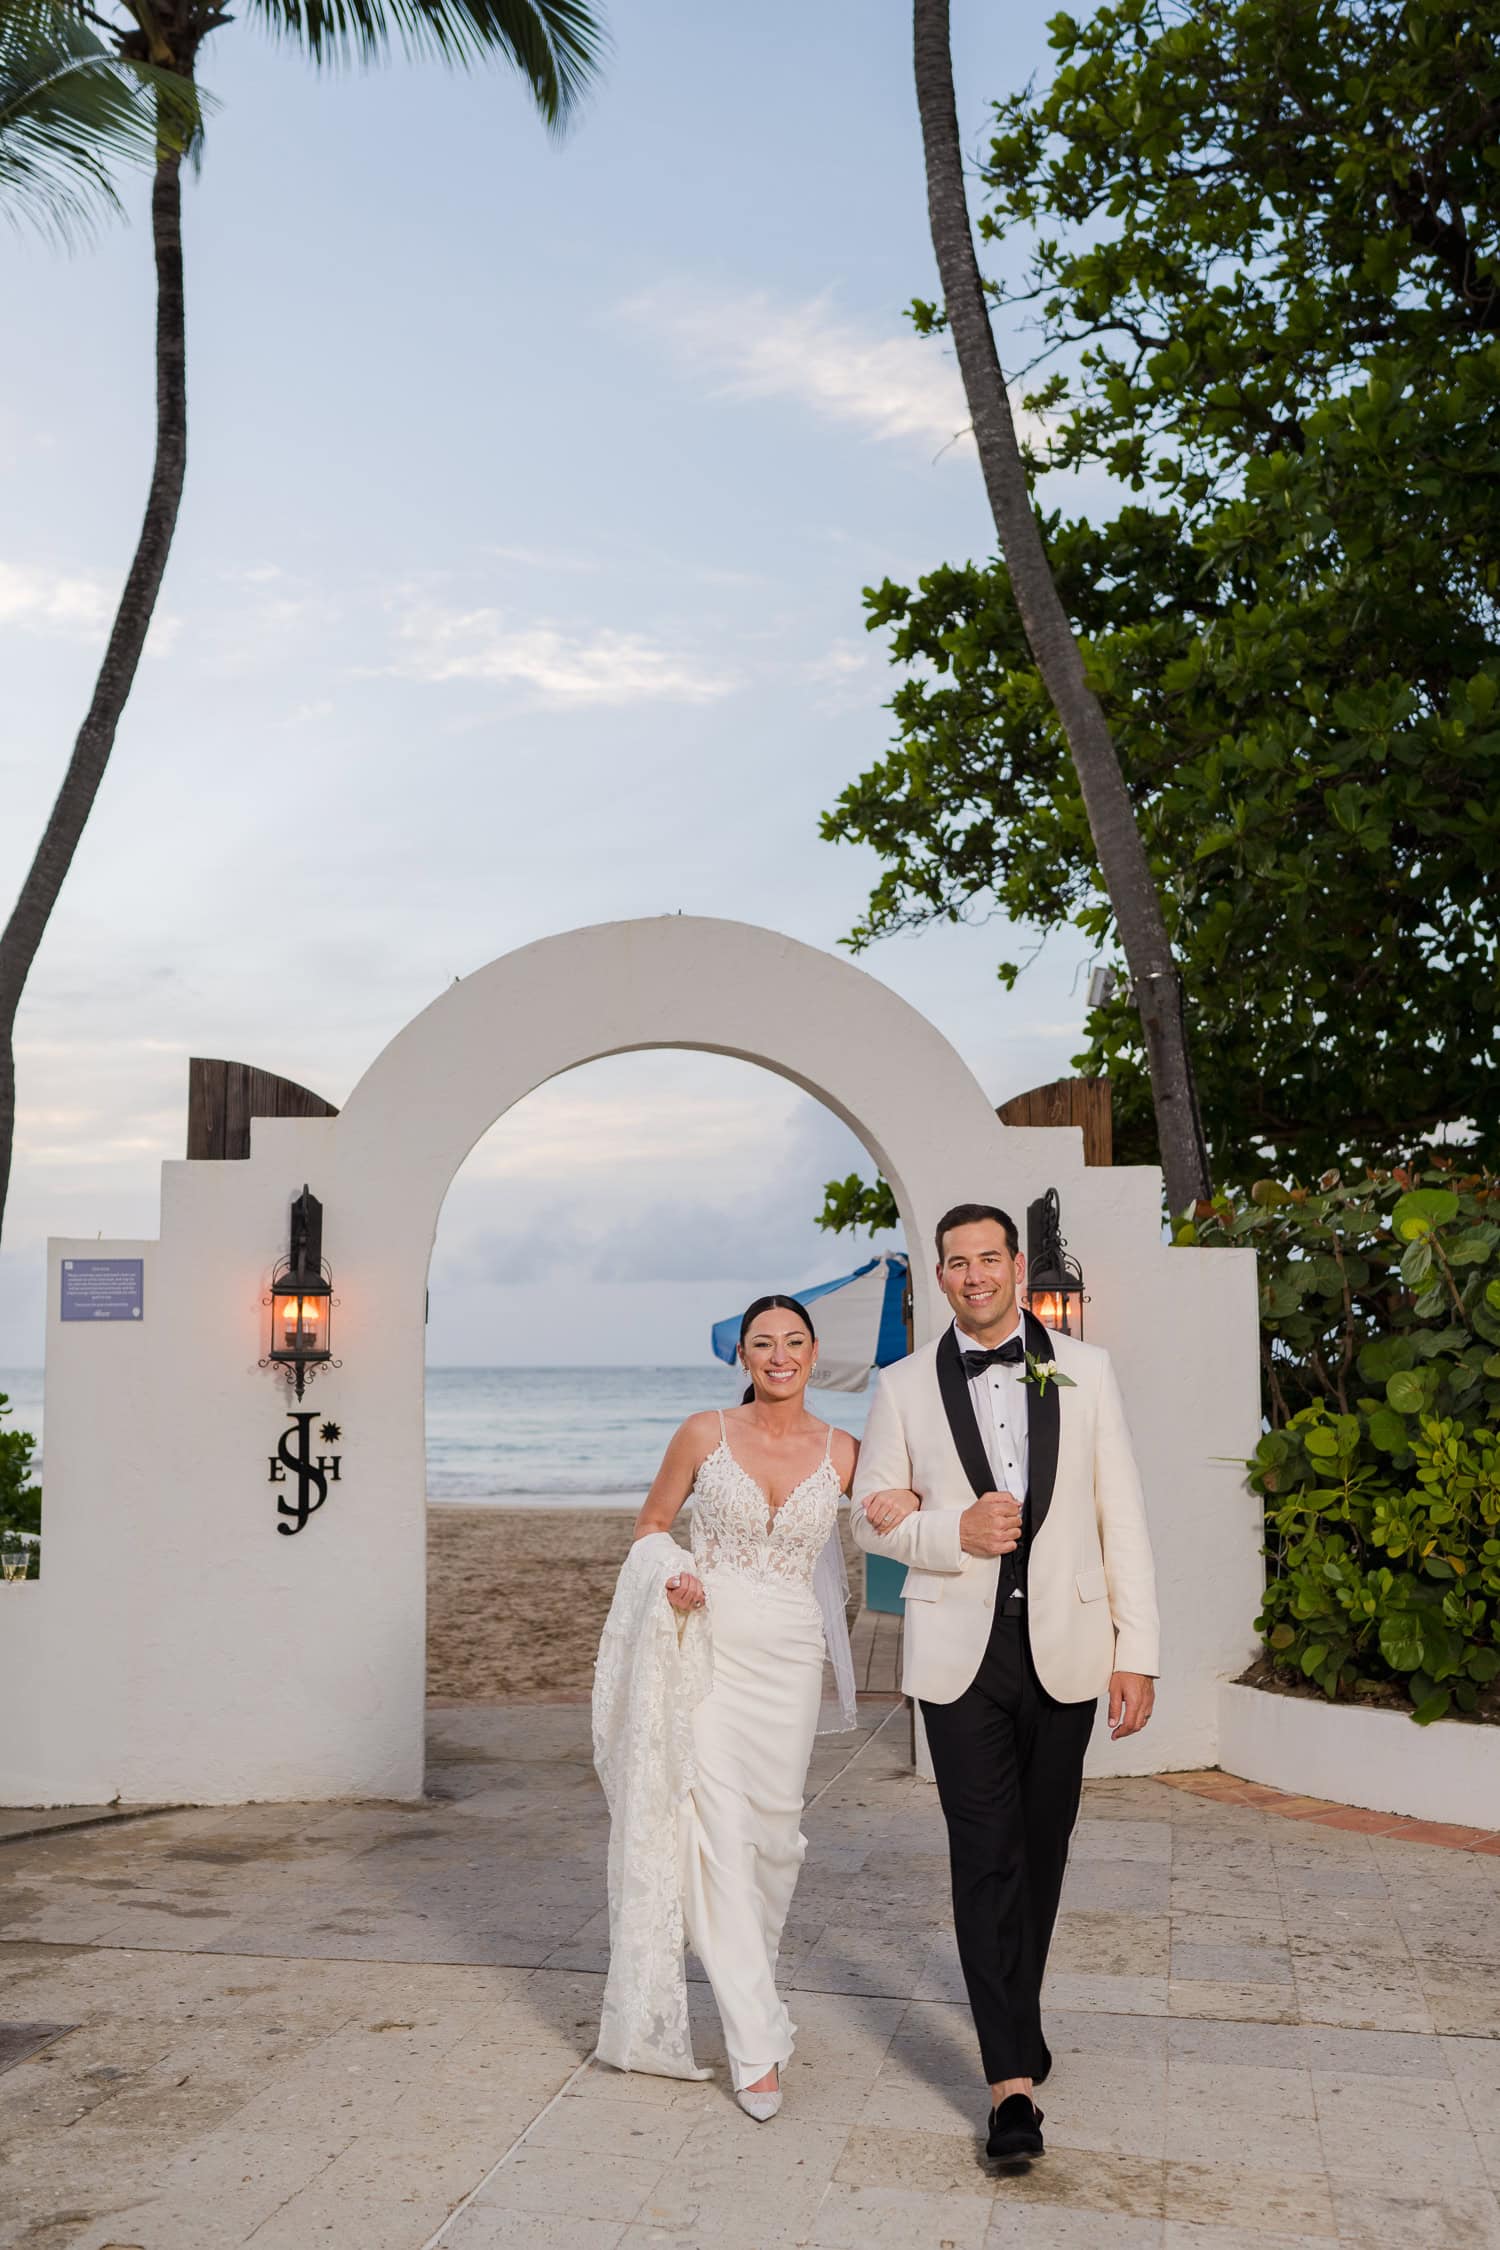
301,1300
1054,1281
1107,984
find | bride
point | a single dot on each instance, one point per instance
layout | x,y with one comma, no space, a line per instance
706,1700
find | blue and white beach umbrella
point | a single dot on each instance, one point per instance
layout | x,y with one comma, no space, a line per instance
859,1319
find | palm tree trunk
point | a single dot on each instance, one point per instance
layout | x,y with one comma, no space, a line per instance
28,922
1117,842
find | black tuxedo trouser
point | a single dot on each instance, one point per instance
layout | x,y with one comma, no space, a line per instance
1009,1766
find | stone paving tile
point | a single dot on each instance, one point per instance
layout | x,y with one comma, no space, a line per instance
1274,2197
1398,2218
870,2218
1230,2113
552,2181
332,2024
1231,1964
1106,2104
1040,2227
1243,2002
1099,1943
1124,1838
1118,1996
919,2162
1118,1886
483,2228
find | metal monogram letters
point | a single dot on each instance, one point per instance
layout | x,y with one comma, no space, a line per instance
313,1477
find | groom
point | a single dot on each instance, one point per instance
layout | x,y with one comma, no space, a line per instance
996,1464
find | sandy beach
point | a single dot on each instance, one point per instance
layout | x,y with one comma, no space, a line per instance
517,1598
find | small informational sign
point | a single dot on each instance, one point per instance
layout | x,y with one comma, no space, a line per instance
103,1288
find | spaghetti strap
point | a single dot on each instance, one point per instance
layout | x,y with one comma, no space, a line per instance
723,1433
828,1448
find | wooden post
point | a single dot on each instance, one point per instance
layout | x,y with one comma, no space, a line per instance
224,1096
1086,1102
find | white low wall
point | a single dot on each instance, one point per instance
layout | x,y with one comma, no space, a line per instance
1381,1760
182,1649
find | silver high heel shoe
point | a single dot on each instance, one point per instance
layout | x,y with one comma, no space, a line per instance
762,2107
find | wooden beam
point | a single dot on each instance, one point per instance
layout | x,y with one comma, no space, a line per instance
223,1097
1086,1102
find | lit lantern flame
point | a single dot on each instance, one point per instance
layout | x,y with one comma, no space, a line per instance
1050,1307
299,1317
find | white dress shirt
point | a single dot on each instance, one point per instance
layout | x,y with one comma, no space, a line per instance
998,1396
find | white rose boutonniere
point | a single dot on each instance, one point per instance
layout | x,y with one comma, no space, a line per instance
1040,1372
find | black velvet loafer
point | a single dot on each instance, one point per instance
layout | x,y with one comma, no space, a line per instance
1015,2131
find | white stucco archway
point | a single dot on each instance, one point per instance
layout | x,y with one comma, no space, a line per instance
178,1649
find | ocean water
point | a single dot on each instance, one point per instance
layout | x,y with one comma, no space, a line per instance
551,1436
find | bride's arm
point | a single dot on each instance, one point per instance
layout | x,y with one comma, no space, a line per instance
882,1510
674,1479
664,1502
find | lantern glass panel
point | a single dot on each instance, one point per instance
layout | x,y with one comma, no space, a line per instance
299,1322
1055,1308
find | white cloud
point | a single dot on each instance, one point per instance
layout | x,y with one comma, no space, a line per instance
42,601
888,386
76,605
848,674
564,668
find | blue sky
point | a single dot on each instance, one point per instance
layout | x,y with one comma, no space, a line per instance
532,487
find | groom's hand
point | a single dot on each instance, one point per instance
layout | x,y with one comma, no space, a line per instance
991,1525
1131,1696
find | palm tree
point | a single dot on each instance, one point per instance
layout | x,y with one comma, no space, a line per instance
1117,841
554,44
70,111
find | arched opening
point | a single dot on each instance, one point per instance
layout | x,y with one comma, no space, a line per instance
584,1250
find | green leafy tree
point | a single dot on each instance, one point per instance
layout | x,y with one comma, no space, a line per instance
1265,276
553,44
1380,1467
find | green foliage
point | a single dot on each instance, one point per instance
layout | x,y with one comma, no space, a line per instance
556,45
75,105
1380,1471
20,1499
1266,256
854,1203
70,111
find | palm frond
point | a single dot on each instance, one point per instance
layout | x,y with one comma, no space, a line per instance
556,45
71,112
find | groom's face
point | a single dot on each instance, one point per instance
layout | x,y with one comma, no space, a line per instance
979,1274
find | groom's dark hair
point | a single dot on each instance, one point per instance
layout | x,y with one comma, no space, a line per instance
971,1215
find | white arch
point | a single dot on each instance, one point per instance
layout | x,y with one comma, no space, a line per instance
679,981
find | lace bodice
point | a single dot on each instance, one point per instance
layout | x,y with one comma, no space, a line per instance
733,1527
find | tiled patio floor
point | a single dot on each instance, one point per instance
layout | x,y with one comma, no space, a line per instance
366,2026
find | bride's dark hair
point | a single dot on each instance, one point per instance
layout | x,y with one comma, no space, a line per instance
772,1304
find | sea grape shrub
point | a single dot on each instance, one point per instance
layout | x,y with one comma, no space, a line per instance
1379,1467
20,1499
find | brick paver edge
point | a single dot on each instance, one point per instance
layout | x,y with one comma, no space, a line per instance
1323,1812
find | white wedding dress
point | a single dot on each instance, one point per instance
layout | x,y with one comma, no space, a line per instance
709,1728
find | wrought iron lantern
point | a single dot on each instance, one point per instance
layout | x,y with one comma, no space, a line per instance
301,1300
1054,1279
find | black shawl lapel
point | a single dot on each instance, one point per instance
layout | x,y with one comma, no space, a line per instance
953,1384
1041,1430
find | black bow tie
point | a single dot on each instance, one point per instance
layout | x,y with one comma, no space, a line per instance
1008,1355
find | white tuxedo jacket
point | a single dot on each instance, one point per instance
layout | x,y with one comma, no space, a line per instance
1090,1584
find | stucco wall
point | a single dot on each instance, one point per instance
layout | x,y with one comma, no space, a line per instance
179,1648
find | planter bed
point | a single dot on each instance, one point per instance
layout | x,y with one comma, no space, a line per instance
1357,1754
